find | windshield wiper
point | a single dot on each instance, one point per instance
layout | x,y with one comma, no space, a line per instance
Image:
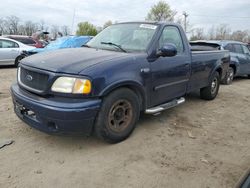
113,44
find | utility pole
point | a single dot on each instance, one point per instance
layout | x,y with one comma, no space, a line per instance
185,20
73,21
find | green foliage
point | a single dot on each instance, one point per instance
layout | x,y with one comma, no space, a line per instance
86,28
161,12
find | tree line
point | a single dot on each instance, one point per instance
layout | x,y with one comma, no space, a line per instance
220,32
161,11
13,25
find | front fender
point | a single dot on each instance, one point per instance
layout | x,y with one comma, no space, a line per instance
137,87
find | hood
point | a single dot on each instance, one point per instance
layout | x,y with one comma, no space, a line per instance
36,50
72,60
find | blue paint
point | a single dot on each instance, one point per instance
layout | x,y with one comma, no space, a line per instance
156,79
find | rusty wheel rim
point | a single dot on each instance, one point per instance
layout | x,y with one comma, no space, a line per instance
120,116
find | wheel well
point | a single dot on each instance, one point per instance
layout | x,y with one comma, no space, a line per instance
219,70
136,90
16,60
234,67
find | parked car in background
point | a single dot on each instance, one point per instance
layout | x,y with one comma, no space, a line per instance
126,69
27,40
60,43
239,52
10,51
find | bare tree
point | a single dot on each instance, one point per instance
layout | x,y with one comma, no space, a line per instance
41,25
184,23
12,24
65,30
222,32
30,28
54,31
211,33
239,35
2,26
198,34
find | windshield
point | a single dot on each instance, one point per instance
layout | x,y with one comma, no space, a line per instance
131,37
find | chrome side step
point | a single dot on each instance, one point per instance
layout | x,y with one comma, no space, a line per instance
156,110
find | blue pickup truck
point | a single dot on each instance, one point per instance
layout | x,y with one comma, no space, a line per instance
102,88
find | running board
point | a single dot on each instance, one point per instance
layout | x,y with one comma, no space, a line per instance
156,110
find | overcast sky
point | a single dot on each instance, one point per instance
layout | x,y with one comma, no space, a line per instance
235,13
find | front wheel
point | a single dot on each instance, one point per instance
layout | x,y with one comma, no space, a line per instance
118,115
210,92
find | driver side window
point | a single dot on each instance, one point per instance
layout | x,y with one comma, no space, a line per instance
172,35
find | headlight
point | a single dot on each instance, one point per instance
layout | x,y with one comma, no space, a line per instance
71,85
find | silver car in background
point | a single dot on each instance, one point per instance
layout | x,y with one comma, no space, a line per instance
10,51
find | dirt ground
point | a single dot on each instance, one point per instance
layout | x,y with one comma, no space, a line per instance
198,144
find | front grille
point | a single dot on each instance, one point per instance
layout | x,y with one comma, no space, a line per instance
33,80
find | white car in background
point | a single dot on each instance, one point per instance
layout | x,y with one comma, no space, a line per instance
10,51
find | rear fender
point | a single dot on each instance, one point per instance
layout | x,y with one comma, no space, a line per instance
216,69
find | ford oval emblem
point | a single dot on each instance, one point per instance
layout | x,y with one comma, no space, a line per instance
29,78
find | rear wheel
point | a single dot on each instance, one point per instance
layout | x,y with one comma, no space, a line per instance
210,92
118,115
229,77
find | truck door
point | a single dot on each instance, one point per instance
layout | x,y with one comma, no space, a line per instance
170,74
8,51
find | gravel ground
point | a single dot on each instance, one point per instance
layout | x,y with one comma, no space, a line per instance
198,144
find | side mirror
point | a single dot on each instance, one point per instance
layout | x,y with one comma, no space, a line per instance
167,50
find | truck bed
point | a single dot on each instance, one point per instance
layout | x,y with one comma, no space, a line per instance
203,64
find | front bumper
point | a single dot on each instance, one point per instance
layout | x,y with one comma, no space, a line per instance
55,115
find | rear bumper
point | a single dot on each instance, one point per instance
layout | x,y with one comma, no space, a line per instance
55,115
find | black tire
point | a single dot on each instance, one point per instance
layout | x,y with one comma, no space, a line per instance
118,115
229,77
210,92
18,59
249,76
